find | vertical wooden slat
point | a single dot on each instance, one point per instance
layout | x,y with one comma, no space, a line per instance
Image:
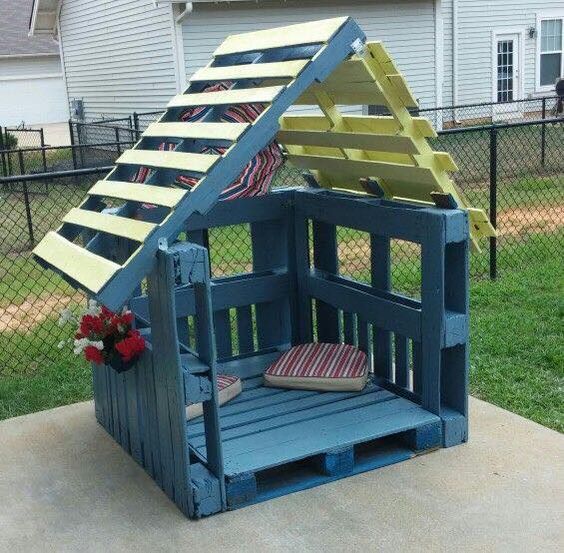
454,385
401,346
348,327
245,329
325,258
416,365
223,333
362,334
303,316
169,384
205,337
270,251
132,395
432,311
122,410
381,279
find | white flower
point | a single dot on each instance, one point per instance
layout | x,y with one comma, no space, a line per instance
65,317
98,345
93,308
80,344
62,344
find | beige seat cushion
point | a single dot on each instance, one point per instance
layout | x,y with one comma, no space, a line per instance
323,367
228,387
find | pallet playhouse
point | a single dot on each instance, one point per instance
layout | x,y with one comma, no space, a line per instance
374,174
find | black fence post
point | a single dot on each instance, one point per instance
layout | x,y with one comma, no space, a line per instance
2,154
135,126
26,200
118,145
543,132
43,154
73,149
493,201
80,152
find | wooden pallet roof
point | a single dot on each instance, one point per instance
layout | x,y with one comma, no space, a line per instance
322,63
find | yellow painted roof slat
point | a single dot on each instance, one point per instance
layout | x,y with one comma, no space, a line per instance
216,131
146,193
364,168
111,224
346,94
313,32
353,140
88,269
277,69
359,123
261,95
182,161
403,90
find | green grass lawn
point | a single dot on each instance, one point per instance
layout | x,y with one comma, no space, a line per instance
517,345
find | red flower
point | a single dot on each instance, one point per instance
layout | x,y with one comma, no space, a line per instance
132,346
90,324
93,354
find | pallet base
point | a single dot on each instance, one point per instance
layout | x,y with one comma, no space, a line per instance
280,441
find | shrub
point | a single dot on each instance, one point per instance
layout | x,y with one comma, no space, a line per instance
10,141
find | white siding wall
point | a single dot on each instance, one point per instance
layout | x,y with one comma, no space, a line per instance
32,91
118,55
26,66
477,20
406,27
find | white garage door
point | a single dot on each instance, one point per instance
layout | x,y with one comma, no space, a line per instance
36,100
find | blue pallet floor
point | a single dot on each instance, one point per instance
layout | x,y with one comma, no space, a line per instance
266,427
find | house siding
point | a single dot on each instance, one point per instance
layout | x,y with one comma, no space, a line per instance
28,66
118,55
477,21
406,28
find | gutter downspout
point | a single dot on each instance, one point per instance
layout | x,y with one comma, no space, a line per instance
454,58
177,18
439,61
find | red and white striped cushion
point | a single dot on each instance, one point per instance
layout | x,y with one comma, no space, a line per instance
319,367
228,387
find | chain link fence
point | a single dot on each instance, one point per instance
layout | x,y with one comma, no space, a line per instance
514,171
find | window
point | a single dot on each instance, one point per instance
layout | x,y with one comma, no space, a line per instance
551,47
505,70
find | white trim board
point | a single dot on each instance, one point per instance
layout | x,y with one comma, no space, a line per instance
551,14
520,33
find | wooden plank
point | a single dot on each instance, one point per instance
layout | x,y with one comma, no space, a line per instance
182,161
401,354
362,168
344,93
245,329
223,338
262,95
145,193
293,35
370,124
348,328
283,445
276,69
325,258
112,224
216,131
89,270
354,140
381,279
294,411
403,90
385,313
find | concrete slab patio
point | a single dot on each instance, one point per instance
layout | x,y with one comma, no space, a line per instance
66,486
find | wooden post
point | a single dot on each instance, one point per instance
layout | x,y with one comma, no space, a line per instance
168,383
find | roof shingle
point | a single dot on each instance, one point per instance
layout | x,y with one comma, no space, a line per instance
14,25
